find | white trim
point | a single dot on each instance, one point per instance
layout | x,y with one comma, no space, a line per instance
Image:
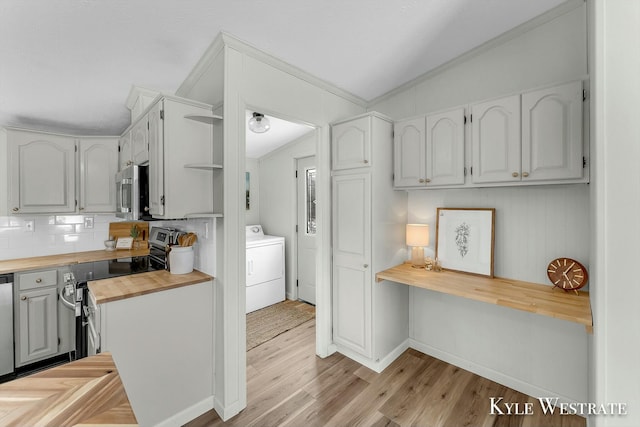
188,414
496,41
379,365
136,91
225,413
227,40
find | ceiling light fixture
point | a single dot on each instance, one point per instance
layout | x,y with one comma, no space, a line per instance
259,123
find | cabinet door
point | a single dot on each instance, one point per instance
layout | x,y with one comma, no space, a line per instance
351,262
37,324
552,133
495,139
98,167
41,172
351,144
445,148
125,153
156,160
139,141
409,153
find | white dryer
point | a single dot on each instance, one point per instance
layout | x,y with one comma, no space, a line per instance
265,269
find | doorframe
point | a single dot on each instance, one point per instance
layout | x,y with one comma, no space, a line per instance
324,338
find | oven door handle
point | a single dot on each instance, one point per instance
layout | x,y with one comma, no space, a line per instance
70,305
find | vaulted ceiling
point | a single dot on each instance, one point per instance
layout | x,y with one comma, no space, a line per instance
68,65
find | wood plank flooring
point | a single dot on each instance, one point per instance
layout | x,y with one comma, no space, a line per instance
288,385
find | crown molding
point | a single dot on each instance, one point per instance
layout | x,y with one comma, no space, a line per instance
226,40
521,29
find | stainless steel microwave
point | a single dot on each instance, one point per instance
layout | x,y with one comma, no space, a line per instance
132,193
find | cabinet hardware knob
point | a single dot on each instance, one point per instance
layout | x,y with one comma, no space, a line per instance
525,174
15,209
427,180
38,280
366,161
515,174
23,298
421,181
366,266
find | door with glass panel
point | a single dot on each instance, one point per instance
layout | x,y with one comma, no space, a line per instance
306,207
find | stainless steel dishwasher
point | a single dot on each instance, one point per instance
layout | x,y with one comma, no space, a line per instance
6,324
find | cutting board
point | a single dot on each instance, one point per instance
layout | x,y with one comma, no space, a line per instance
123,229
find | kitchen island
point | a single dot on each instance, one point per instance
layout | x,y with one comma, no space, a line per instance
85,392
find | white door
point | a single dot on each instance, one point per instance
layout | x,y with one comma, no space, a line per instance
306,183
156,160
98,167
351,144
351,224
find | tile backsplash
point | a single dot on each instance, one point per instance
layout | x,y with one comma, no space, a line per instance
38,235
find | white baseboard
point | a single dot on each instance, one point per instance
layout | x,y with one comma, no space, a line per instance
375,365
483,371
191,413
227,412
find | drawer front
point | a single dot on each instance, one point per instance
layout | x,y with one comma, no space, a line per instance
37,279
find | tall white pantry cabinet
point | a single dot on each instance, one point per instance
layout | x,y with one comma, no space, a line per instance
370,320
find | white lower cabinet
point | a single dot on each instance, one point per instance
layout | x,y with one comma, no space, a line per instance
370,320
36,316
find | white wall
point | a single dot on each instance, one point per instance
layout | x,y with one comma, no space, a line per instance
533,224
615,207
52,234
278,198
253,214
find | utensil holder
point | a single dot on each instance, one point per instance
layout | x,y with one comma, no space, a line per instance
181,259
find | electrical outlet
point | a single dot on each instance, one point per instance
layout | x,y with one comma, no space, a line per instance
29,225
88,222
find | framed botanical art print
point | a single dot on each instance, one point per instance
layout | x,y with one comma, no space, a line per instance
465,239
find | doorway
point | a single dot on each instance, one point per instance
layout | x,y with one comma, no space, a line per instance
306,228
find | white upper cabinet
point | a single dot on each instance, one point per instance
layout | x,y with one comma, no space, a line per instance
409,153
139,141
429,151
552,133
445,148
125,152
495,140
98,167
156,159
351,144
41,172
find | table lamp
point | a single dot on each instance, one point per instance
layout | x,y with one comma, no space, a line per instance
417,238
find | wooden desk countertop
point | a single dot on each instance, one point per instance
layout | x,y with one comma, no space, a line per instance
49,261
519,295
81,393
122,287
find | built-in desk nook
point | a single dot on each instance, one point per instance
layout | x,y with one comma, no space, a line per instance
532,297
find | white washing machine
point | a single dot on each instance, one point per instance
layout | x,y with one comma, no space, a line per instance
265,269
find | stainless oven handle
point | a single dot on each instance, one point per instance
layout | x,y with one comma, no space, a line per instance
65,302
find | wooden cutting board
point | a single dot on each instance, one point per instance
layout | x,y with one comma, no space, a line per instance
123,229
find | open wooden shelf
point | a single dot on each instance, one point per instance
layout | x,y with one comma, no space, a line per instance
531,297
203,166
213,118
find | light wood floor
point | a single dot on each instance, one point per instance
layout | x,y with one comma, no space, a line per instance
288,385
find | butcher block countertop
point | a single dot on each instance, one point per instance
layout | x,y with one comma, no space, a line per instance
118,288
81,393
49,261
519,295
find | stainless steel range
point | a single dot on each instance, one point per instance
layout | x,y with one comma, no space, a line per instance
160,241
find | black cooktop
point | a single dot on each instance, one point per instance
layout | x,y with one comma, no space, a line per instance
107,269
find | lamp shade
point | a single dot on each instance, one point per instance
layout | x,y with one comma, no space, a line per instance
258,123
417,234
